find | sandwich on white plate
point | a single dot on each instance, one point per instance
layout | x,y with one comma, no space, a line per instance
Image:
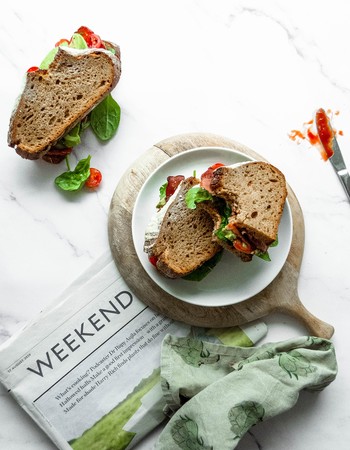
67,93
237,208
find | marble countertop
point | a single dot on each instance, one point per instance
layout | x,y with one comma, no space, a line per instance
248,70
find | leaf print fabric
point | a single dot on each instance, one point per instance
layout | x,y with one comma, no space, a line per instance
227,390
185,434
295,364
244,416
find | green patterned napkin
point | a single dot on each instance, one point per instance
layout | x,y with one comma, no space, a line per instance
221,391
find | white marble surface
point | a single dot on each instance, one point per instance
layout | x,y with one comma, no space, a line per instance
248,70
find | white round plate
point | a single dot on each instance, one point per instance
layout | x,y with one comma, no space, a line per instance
232,280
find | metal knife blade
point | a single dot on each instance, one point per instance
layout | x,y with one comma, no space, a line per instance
339,166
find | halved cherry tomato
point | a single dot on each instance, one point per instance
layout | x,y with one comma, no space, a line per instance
173,182
208,175
96,41
93,40
94,179
61,41
86,33
153,260
242,246
33,69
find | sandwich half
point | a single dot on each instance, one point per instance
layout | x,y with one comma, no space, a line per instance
55,99
182,244
246,203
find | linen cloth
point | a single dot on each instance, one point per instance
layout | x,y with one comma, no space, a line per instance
215,392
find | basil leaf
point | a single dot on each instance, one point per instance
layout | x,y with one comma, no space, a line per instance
274,243
72,138
73,180
263,255
85,123
105,118
205,269
196,195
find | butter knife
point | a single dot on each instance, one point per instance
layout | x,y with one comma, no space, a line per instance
331,147
339,166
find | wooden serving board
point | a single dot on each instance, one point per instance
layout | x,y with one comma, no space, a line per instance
281,295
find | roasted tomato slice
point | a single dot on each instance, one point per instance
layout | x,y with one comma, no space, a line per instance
173,182
33,69
208,175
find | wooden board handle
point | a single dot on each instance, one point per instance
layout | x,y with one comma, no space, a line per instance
315,326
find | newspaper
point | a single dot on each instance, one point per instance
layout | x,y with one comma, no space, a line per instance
87,369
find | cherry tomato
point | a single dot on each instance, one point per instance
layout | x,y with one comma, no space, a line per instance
96,41
93,40
61,41
33,69
208,175
94,179
242,246
153,260
86,33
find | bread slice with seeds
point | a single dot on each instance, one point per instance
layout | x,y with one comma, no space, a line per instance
53,101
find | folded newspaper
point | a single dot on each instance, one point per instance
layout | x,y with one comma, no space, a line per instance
87,369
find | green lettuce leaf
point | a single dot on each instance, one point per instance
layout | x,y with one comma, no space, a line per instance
196,195
78,42
48,59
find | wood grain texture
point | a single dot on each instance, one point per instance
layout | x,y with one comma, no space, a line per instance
281,295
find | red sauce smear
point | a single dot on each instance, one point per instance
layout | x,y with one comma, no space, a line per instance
325,131
317,133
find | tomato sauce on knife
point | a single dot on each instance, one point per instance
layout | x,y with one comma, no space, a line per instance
325,131
318,132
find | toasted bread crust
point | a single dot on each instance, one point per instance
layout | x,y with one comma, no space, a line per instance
185,241
55,100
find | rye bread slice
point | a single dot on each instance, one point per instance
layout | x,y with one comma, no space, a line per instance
53,101
185,240
256,192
